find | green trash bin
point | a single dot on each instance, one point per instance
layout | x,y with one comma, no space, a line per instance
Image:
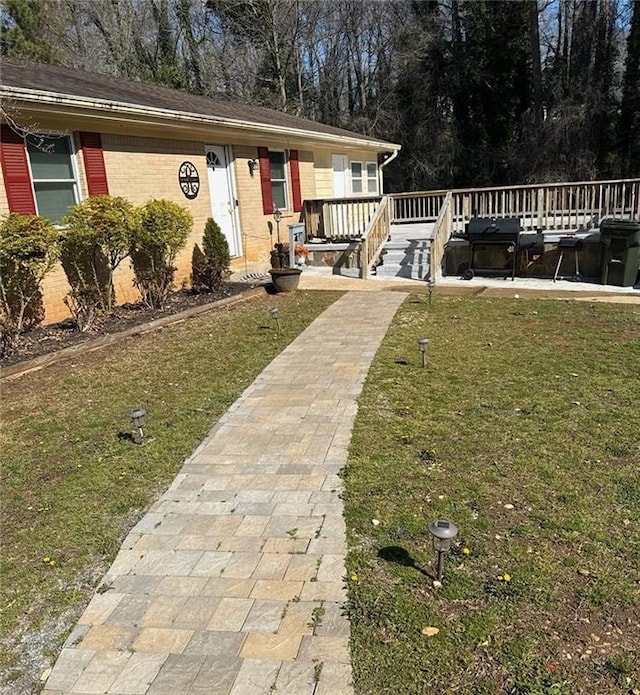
620,260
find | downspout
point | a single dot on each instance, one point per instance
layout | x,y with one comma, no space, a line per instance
382,166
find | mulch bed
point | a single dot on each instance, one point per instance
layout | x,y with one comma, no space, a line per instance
53,337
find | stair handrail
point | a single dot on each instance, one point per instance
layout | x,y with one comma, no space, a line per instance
374,237
442,231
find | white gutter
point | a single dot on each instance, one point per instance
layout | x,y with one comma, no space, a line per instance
384,164
102,105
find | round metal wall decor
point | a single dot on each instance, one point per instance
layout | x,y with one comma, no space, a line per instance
189,180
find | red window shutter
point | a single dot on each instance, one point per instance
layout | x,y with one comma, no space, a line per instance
265,180
94,164
295,180
15,171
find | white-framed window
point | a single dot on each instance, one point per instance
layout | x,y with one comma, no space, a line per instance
372,177
356,177
54,175
278,167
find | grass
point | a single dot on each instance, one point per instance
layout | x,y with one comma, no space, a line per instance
72,485
523,430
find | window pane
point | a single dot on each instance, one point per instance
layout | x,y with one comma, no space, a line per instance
277,165
356,177
51,159
372,177
54,199
278,194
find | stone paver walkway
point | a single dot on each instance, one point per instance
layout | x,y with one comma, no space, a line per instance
234,582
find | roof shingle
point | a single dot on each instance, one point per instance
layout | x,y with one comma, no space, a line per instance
59,80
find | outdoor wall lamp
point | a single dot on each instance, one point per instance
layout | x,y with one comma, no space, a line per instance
137,421
443,533
422,346
253,166
275,314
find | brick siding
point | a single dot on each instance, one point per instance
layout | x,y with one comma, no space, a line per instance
140,168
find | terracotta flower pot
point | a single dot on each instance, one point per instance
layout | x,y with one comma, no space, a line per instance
285,279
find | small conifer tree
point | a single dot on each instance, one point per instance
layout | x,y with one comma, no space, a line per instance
211,265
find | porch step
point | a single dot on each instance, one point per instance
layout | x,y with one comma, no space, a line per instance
407,253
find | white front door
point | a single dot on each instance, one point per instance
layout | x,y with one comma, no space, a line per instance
340,164
223,197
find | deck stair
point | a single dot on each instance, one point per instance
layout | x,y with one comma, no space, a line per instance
407,253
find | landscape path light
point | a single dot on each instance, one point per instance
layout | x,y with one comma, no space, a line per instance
443,533
275,314
137,420
422,346
430,286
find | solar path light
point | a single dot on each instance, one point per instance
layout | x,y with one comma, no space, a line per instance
443,533
275,314
430,286
137,420
422,346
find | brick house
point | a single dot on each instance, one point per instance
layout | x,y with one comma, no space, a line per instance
90,134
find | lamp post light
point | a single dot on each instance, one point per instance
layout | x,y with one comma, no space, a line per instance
422,346
275,314
277,216
137,420
443,533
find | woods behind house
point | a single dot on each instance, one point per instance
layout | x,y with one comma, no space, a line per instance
477,92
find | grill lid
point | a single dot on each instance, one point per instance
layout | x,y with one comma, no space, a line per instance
493,229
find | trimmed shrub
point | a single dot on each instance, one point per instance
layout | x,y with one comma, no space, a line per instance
28,251
97,239
164,229
210,266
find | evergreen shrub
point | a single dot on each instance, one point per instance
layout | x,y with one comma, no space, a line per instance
28,251
210,266
97,238
164,229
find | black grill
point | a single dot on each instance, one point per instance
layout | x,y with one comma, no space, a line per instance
487,231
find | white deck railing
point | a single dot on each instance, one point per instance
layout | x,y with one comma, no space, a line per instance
549,206
558,206
442,231
417,207
375,237
338,219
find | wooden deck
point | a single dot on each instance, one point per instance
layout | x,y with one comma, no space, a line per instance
418,231
436,215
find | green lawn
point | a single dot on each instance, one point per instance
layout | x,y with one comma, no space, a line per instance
524,429
72,485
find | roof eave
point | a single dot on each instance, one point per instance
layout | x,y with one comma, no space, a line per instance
126,109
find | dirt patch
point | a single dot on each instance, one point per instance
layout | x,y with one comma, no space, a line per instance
31,649
53,337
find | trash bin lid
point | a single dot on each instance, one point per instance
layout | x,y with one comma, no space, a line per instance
610,227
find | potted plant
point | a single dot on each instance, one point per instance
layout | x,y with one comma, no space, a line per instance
283,276
301,253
